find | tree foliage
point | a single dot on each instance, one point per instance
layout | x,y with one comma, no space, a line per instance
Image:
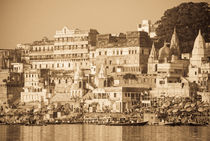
188,18
130,76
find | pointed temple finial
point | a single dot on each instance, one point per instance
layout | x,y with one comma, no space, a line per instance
101,73
153,53
174,45
175,30
165,43
199,50
199,32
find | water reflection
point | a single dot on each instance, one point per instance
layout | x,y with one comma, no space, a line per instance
103,133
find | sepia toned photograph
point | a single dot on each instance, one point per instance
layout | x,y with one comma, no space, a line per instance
105,70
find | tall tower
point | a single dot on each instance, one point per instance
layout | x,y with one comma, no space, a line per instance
198,52
174,46
101,80
79,77
152,61
197,60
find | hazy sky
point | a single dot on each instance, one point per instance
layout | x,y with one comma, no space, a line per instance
24,21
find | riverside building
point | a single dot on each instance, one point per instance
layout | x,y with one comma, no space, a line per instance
170,70
34,90
69,49
199,68
122,53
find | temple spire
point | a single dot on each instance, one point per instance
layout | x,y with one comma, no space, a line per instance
78,73
199,50
174,46
153,53
101,73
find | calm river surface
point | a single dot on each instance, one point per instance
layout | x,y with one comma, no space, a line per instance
103,133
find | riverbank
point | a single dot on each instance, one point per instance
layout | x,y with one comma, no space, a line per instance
167,111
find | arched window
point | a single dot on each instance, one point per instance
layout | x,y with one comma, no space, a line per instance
80,84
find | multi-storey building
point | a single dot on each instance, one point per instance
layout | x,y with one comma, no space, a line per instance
4,74
147,27
123,53
69,49
33,89
115,98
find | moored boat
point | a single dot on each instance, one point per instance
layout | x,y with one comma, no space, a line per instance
173,123
128,124
196,124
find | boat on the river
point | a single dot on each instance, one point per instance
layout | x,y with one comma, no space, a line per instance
173,123
128,124
196,124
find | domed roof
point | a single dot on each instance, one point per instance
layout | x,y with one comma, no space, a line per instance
199,46
164,52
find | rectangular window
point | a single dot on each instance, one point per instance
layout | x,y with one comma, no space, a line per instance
99,96
132,95
115,95
126,95
162,82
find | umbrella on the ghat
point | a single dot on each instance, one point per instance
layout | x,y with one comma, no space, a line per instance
181,104
206,105
188,104
166,104
201,109
182,110
175,110
176,105
193,105
169,110
189,109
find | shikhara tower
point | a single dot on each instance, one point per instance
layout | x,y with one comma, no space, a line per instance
174,46
152,61
199,67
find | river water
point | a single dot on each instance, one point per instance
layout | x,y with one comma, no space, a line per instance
103,133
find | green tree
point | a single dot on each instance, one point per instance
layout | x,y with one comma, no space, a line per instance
130,76
188,18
